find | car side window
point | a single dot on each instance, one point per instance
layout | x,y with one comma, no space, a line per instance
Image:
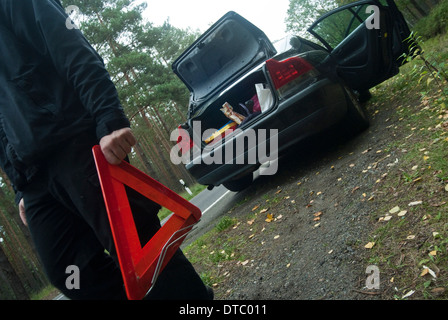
333,29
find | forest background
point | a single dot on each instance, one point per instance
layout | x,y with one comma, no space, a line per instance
138,56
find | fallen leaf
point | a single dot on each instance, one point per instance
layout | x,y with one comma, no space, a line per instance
278,191
402,213
269,218
318,214
432,273
438,204
415,203
288,265
263,210
365,151
394,210
250,222
407,295
276,237
354,189
245,262
411,237
416,180
387,218
433,253
438,291
316,219
369,245
255,208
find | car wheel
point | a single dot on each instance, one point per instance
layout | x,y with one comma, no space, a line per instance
239,184
356,119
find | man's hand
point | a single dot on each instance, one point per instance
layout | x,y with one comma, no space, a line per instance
22,211
117,145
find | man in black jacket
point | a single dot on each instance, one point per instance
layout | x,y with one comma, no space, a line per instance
56,101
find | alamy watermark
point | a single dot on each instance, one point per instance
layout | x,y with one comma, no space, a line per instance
373,280
241,147
373,21
71,10
73,281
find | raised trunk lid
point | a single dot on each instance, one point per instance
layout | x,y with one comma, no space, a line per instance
227,50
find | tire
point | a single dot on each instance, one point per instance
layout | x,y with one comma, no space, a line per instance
239,184
356,119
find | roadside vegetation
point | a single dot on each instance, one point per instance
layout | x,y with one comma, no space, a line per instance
410,238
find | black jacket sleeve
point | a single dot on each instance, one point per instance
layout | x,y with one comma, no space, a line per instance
41,24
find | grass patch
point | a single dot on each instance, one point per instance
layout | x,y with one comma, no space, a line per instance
215,248
435,23
411,248
195,190
48,293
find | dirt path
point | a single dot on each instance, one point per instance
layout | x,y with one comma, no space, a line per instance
320,201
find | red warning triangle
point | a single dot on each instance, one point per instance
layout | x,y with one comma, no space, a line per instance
139,265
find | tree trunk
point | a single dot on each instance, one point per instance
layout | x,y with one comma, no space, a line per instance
419,9
13,280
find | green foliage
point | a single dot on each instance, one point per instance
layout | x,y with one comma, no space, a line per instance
435,23
302,13
225,223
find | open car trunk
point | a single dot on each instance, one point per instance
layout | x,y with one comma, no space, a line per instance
231,49
236,108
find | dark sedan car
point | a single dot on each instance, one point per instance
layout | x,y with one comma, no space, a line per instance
251,100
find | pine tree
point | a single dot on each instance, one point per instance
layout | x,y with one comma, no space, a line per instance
138,56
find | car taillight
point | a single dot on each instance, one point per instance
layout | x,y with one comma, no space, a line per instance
283,72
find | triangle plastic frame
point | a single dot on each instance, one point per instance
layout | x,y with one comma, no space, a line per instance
139,265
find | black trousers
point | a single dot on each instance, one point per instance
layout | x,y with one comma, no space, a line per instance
68,222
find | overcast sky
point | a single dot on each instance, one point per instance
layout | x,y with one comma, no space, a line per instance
268,15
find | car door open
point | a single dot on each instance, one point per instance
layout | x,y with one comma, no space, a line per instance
364,39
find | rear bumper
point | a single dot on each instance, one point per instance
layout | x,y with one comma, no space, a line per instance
310,111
